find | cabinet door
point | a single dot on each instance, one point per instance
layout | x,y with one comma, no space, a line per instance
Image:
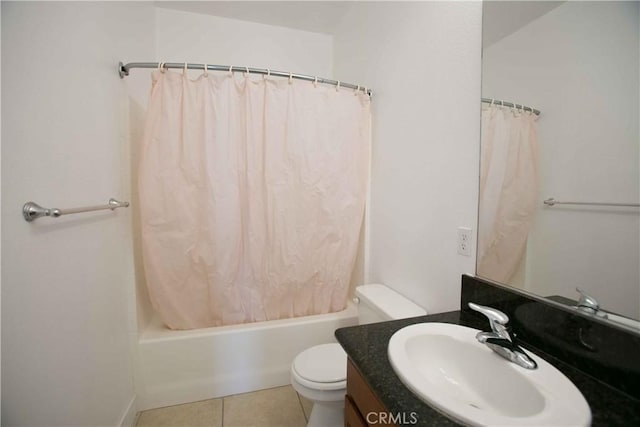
365,401
352,417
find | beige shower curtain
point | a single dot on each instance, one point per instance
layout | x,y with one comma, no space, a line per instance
252,195
508,189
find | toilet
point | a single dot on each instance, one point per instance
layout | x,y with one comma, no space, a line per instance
319,373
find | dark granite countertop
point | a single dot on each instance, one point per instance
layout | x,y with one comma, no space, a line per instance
366,345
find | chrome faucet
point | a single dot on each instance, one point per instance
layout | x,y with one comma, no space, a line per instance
588,304
499,339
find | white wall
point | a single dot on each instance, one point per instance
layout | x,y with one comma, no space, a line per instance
0,226
422,61
184,36
68,305
579,64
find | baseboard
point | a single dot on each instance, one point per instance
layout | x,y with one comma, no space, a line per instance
128,418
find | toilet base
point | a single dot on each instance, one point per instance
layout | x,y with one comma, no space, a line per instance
327,414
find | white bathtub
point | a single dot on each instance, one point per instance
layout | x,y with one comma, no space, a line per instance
185,366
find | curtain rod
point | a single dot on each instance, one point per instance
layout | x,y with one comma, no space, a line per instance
123,70
511,104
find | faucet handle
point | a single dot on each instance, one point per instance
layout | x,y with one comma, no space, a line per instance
589,304
497,319
587,301
492,314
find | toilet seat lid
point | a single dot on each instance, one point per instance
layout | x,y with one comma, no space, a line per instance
325,363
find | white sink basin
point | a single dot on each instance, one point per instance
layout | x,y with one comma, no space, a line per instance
446,367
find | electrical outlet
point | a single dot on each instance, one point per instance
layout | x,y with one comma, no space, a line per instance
464,241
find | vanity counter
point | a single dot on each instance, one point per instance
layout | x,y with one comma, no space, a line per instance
366,346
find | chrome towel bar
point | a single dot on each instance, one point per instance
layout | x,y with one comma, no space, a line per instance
551,201
32,211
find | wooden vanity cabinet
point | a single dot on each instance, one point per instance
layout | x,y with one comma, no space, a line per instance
362,408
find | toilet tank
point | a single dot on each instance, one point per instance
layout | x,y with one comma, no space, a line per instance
378,303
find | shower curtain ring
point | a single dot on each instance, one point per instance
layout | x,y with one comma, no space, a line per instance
290,78
206,73
184,69
356,91
161,67
246,73
338,86
315,82
231,70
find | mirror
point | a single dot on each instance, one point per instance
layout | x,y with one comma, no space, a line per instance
578,63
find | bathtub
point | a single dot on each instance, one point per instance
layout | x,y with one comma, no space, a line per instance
186,366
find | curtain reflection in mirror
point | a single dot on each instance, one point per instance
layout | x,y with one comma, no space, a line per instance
508,189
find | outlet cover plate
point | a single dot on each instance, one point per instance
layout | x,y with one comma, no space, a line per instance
464,241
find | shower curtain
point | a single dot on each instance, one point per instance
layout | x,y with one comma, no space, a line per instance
508,189
252,197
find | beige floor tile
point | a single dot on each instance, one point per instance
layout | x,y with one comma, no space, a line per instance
198,414
307,405
277,407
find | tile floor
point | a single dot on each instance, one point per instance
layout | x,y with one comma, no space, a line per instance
277,407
